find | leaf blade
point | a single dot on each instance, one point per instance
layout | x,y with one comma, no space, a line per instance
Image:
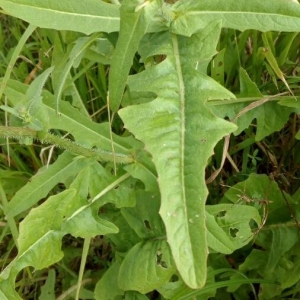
43,182
166,126
86,17
264,16
133,27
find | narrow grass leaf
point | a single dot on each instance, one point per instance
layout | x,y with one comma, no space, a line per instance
134,23
78,50
267,51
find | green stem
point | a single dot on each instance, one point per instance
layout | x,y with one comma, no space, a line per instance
73,147
85,250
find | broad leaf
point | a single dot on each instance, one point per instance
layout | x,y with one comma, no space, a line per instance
228,226
145,174
147,266
69,212
85,223
29,110
39,242
43,182
259,191
191,16
35,106
144,218
7,291
107,287
86,17
275,261
178,130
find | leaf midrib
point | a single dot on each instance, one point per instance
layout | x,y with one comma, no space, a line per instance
213,12
183,129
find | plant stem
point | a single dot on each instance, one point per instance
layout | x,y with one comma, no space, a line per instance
73,147
84,255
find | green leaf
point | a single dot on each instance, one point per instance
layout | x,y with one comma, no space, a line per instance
7,291
86,17
258,188
274,261
134,22
43,248
146,175
126,238
85,223
71,120
133,295
30,111
78,50
144,218
35,105
270,116
48,289
290,102
107,287
248,87
39,242
178,129
147,266
266,15
228,226
42,183
100,179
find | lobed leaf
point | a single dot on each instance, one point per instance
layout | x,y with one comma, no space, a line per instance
228,226
178,129
69,212
257,188
43,182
